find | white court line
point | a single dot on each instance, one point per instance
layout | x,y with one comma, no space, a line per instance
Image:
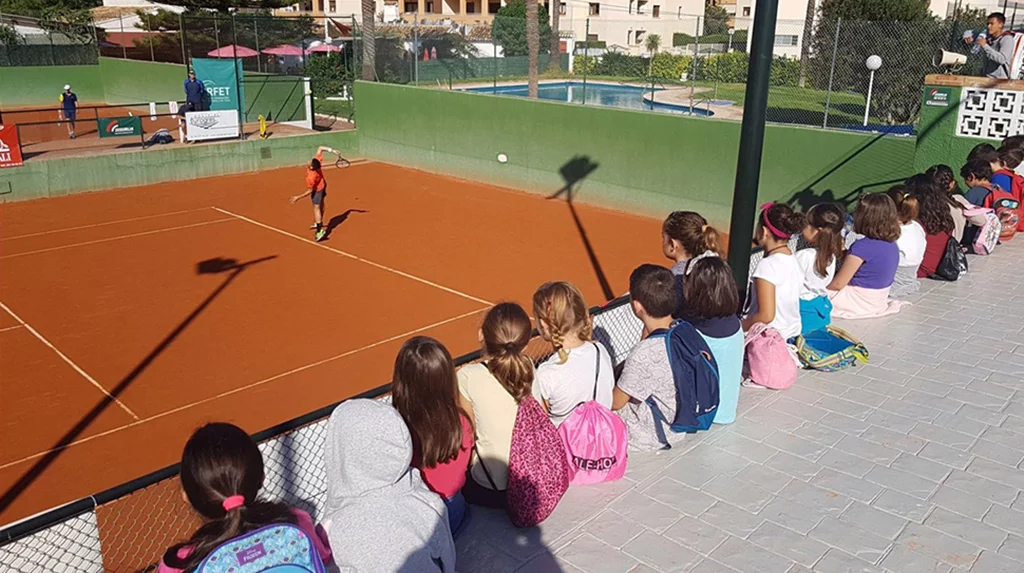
357,258
117,238
12,327
68,360
52,231
249,386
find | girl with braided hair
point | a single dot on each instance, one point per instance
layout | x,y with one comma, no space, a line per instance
568,377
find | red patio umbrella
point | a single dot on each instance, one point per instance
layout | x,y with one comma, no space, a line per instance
232,51
323,49
283,50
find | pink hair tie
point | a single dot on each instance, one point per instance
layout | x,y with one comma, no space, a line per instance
233,502
764,218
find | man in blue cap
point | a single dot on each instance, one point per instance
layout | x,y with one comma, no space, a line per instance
194,90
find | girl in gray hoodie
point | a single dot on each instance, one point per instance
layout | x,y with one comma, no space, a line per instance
380,516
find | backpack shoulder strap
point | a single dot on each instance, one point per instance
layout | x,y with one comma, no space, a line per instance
484,466
597,368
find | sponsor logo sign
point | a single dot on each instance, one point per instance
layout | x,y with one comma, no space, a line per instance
120,126
10,146
203,125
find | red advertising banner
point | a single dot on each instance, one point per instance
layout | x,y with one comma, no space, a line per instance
10,147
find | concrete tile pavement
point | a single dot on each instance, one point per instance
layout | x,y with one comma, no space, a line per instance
910,464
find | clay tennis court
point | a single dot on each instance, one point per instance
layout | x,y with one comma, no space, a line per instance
129,317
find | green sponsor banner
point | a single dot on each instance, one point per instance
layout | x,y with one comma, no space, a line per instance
120,126
222,79
936,97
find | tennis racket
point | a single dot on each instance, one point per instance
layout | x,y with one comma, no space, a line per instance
341,163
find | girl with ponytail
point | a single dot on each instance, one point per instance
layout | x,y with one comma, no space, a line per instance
567,378
912,242
489,393
221,475
686,235
824,232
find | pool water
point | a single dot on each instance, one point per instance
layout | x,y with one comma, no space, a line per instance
622,97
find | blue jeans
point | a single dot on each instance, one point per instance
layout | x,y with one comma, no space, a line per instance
458,513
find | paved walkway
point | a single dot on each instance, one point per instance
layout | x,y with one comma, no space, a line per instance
908,465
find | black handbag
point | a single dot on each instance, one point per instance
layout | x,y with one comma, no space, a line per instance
953,264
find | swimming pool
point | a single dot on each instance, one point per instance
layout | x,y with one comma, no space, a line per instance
622,97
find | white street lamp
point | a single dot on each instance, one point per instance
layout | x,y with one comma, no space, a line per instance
731,32
872,63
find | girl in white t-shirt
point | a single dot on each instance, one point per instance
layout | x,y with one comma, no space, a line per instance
824,232
774,296
911,243
572,375
489,393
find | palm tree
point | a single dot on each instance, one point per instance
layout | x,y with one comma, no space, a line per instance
555,53
652,43
532,44
369,9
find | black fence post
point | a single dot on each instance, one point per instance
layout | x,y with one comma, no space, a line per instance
748,166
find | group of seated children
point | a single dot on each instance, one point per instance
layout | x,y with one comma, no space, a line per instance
400,476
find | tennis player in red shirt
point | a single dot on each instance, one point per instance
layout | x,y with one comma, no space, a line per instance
316,189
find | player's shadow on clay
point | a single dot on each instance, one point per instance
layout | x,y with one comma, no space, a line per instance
337,220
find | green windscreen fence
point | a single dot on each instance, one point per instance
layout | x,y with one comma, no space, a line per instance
277,98
48,55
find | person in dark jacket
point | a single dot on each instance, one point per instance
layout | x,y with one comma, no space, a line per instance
194,90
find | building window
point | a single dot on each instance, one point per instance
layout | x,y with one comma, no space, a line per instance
656,11
746,11
411,7
332,6
320,5
561,8
493,7
470,8
785,40
430,8
638,36
595,9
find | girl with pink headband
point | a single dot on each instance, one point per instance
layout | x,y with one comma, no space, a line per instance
774,296
221,476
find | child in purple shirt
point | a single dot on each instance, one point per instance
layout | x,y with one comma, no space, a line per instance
860,288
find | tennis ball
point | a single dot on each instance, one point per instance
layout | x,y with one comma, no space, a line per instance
502,158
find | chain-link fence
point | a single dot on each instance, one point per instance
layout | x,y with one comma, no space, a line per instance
127,528
58,40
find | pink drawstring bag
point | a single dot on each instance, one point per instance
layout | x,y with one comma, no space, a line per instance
595,440
538,475
767,361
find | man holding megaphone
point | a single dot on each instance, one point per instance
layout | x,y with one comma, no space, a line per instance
996,44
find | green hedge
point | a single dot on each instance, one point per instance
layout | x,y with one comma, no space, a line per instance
739,39
726,68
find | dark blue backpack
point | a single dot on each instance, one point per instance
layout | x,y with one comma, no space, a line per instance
695,373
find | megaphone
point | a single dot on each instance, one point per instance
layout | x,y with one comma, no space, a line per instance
951,61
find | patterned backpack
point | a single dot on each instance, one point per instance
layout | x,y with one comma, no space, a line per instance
1007,207
276,548
829,349
538,473
986,237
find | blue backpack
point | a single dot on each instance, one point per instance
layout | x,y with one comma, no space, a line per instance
695,373
277,548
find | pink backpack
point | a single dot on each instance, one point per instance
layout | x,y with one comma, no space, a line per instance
987,236
595,440
538,474
767,362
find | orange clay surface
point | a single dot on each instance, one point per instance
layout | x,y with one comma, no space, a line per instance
113,347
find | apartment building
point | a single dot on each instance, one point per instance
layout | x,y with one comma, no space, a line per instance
623,25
